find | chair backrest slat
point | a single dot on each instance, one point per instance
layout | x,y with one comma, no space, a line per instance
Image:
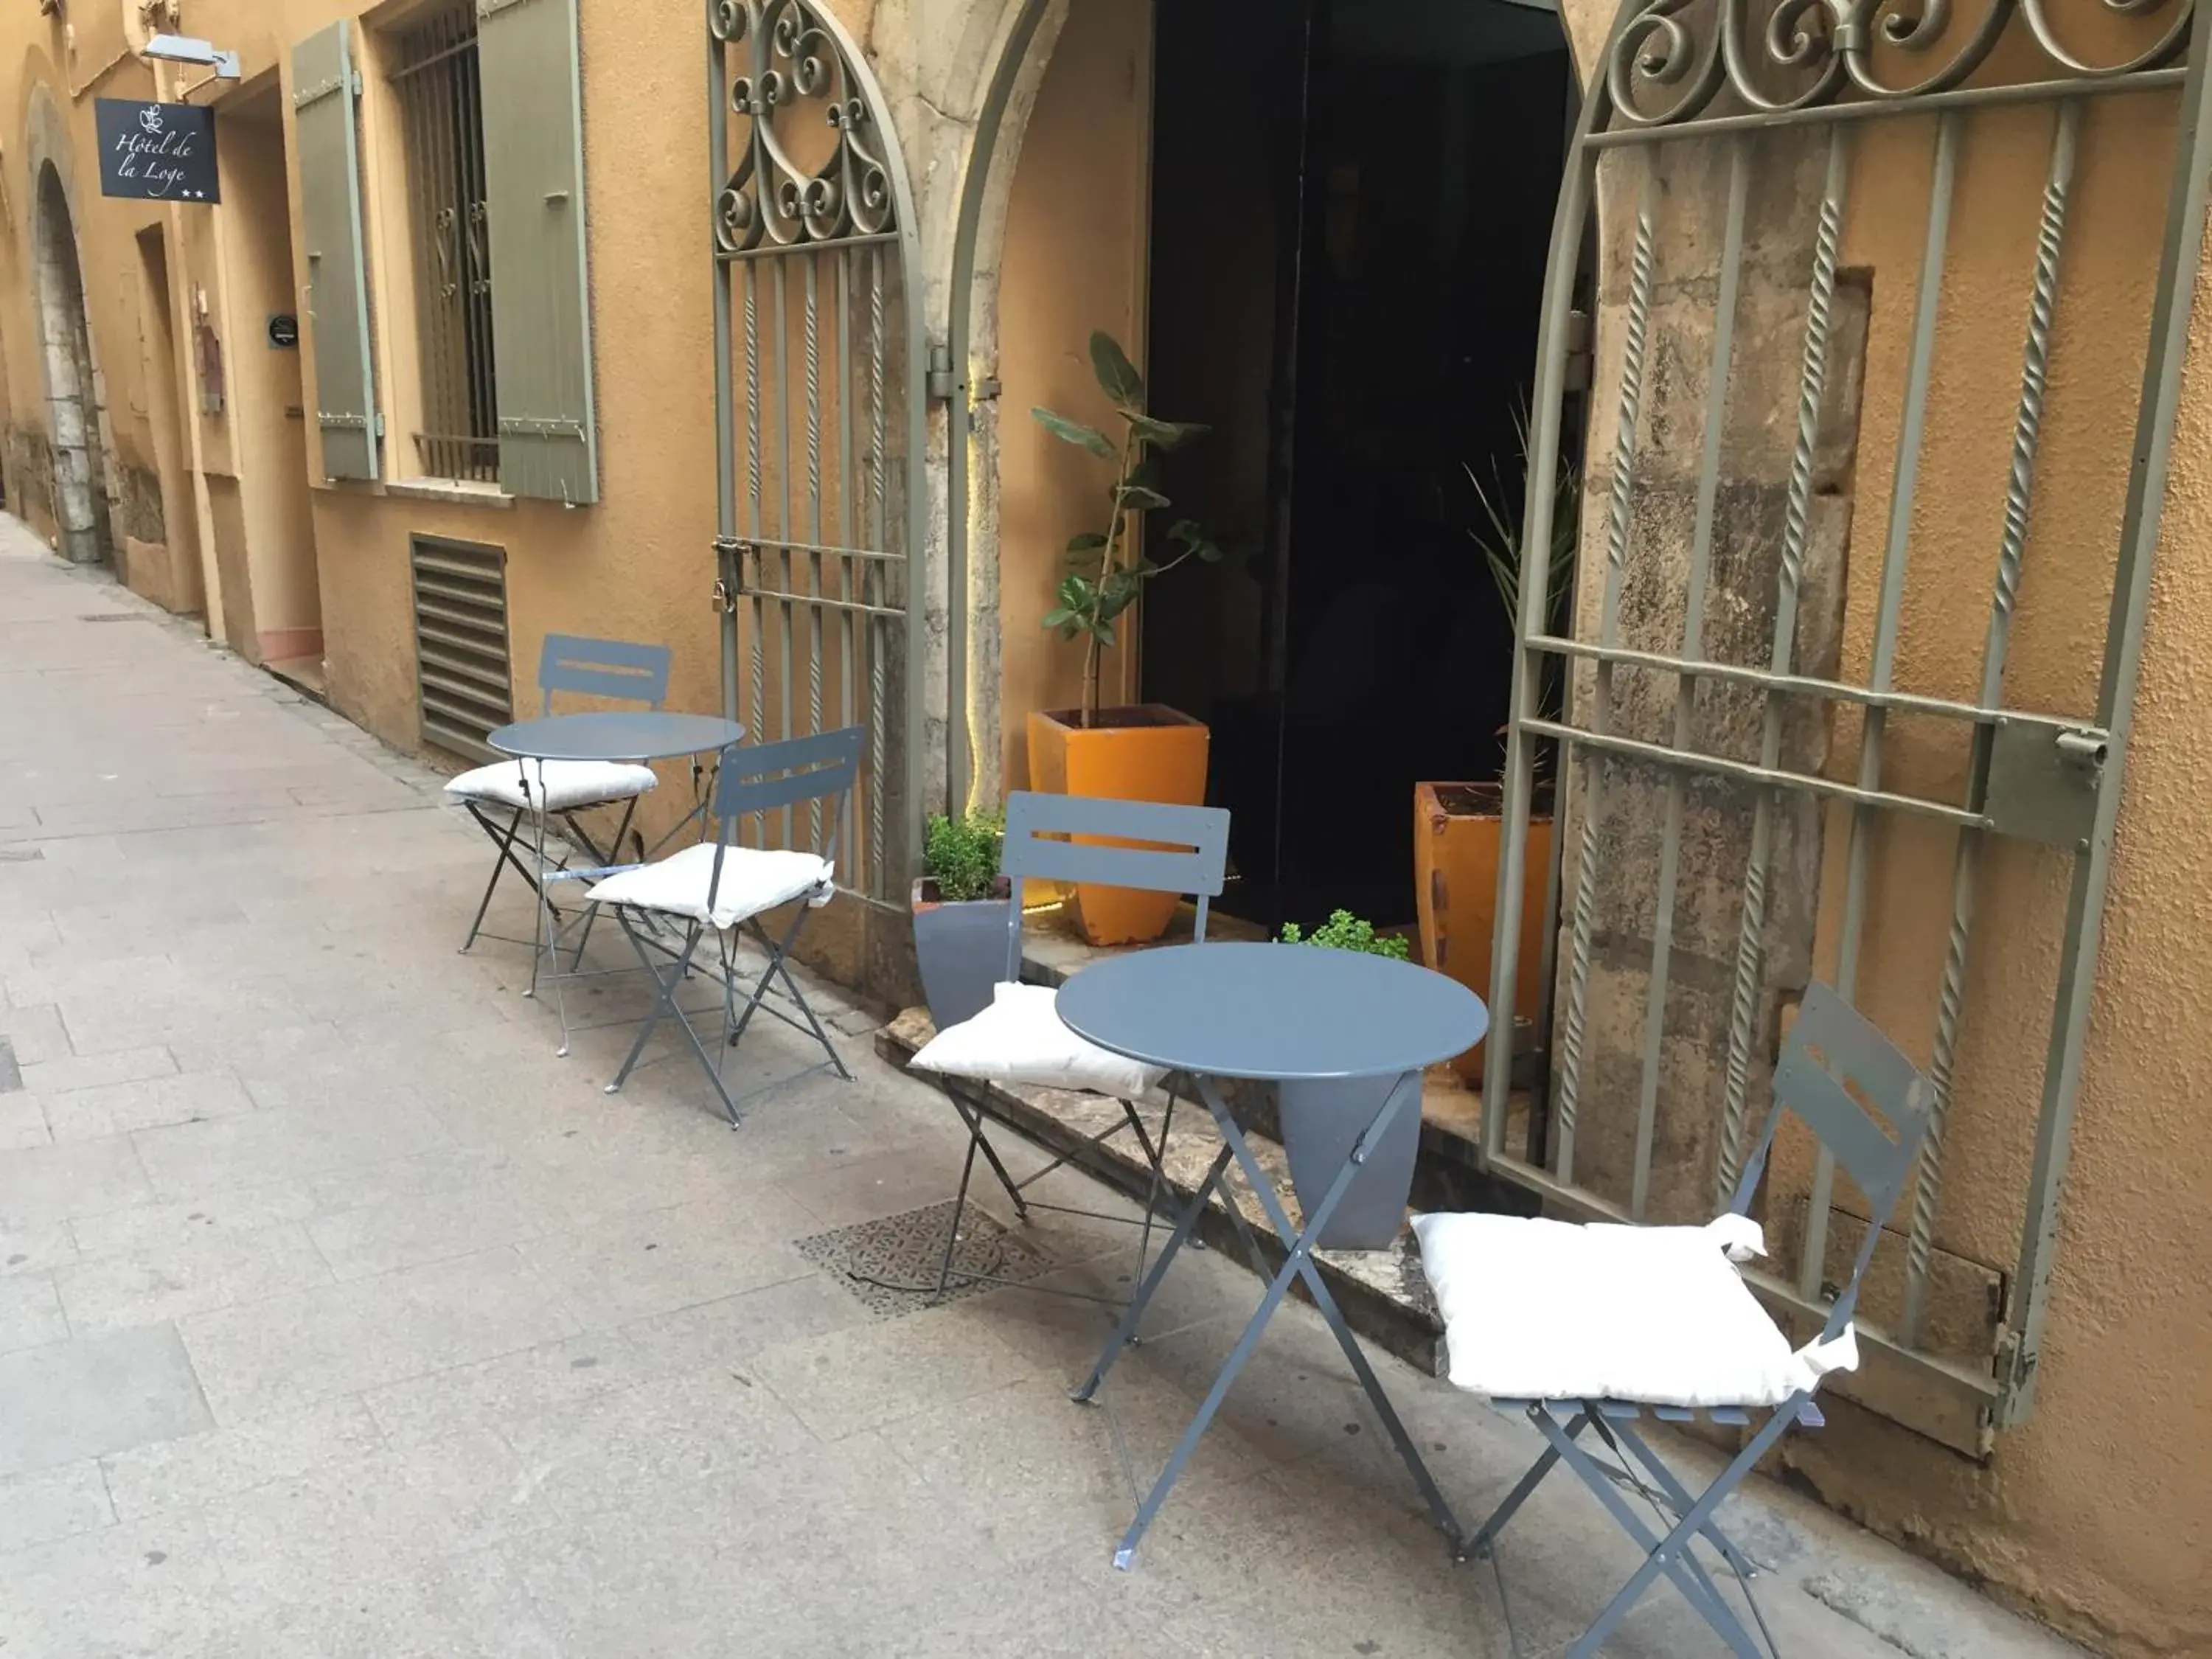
1874,1160
1185,850
765,777
1833,1050
604,668
1187,854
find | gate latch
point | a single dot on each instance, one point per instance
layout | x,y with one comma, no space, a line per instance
2043,778
729,553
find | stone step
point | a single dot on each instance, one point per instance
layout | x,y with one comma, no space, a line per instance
1383,1294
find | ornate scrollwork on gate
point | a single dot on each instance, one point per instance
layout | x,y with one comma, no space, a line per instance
777,192
1672,58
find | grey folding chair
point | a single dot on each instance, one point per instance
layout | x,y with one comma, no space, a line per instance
1833,1049
721,889
1185,852
505,796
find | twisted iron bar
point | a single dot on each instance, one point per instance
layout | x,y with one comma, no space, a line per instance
1797,530
1697,583
874,859
2027,431
757,648
1616,556
814,496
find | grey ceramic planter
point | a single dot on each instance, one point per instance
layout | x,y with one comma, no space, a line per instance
1320,1120
962,950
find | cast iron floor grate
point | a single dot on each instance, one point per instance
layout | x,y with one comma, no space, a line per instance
890,1264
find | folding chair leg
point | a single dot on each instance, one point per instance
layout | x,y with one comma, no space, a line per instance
777,969
1486,1536
973,1118
592,912
1670,1554
664,1006
663,1002
1664,1479
959,1209
503,840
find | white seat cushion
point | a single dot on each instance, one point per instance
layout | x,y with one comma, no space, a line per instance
1537,1310
555,786
753,879
1021,1038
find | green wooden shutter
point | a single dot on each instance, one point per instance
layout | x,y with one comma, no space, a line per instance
326,94
533,133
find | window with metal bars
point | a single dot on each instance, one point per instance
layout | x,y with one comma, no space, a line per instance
441,109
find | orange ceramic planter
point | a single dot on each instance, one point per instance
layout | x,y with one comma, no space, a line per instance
1144,752
1458,839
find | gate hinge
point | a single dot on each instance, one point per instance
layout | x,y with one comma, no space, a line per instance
941,384
1574,372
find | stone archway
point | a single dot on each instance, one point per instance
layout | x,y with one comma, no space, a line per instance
73,386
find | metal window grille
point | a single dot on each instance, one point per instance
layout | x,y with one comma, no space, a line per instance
461,667
441,109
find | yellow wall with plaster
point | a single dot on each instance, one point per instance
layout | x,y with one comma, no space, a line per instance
1077,243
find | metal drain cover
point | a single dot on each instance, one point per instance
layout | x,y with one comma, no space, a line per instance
891,1264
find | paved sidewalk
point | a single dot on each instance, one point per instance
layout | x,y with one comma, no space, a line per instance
337,1316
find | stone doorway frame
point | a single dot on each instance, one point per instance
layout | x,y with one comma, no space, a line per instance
80,449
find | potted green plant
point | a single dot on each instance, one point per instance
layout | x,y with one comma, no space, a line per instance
1321,1117
1459,827
962,919
1143,751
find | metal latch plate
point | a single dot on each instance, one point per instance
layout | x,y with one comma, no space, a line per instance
2044,775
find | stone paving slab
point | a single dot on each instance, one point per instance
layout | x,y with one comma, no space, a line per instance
340,1318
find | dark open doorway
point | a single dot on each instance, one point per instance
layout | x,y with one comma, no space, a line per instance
1352,203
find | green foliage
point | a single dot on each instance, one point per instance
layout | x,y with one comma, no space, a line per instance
1345,932
960,854
1104,575
1499,536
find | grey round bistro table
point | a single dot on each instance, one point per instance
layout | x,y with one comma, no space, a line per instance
633,736
1346,1036
636,735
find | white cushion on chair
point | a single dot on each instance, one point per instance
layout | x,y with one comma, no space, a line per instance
1537,1310
556,786
1021,1038
753,879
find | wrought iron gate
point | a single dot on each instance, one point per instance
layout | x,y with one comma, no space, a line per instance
819,411
1695,699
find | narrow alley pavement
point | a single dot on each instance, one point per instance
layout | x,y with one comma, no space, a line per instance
338,1316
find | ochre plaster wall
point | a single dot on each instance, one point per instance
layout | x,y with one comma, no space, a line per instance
1077,240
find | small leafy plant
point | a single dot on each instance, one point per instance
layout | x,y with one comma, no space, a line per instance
960,854
1106,571
1345,932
